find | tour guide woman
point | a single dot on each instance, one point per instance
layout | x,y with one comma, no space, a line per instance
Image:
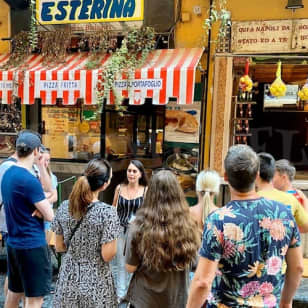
128,198
87,230
162,242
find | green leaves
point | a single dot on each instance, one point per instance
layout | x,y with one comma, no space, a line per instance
132,54
33,33
218,13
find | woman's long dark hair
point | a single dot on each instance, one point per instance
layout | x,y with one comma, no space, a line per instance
138,164
166,237
96,174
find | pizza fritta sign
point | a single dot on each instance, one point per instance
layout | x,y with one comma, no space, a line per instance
85,11
270,36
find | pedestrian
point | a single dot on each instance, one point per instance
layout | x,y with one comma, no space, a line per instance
5,164
25,205
52,196
267,190
86,230
162,242
207,187
283,178
244,245
128,198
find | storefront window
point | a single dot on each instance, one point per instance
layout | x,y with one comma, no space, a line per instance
71,132
138,132
10,125
278,125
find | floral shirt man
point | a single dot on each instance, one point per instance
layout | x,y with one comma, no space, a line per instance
250,239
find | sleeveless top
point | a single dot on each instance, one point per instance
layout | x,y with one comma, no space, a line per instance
127,208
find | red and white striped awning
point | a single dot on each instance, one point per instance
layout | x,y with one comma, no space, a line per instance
166,73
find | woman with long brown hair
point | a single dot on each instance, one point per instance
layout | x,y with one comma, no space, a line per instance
87,229
162,243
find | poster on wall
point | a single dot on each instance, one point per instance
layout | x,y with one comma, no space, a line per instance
269,36
182,123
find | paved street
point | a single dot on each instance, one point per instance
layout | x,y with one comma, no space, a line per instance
301,295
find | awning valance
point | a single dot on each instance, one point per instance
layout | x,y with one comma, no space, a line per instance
166,73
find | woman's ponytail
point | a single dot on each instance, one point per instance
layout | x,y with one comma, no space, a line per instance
206,206
80,197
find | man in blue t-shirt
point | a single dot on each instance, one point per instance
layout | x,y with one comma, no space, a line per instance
245,244
26,207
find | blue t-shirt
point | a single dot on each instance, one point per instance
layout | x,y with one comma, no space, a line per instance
250,238
20,191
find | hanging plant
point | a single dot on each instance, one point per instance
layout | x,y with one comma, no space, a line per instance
132,54
98,43
54,46
33,34
218,13
20,51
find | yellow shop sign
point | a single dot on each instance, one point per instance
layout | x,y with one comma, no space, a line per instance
84,11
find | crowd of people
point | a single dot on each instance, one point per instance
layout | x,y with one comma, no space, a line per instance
150,249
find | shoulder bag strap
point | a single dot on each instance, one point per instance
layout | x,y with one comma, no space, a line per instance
76,227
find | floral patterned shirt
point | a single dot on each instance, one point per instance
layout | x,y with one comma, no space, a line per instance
250,239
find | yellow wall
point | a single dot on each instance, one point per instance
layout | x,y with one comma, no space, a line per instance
191,34
5,26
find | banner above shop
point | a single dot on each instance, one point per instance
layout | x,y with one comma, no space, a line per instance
270,36
51,12
166,73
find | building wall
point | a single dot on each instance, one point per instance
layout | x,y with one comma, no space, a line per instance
191,34
5,26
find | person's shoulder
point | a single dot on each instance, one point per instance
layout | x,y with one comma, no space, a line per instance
5,166
195,211
64,204
104,207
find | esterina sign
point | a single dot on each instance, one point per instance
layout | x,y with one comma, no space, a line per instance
85,11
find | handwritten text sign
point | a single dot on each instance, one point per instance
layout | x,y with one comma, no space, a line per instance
270,36
85,11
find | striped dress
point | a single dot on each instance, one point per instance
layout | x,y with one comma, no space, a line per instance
127,208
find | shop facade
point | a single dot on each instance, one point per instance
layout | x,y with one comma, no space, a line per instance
271,122
160,123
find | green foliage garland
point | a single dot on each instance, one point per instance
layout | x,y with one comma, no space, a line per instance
131,55
33,34
218,13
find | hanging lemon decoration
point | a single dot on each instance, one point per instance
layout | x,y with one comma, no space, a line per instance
303,93
245,81
278,87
